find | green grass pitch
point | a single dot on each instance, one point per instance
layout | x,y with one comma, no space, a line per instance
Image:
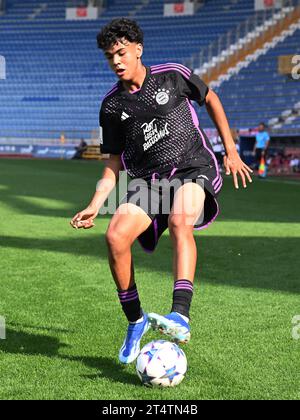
64,323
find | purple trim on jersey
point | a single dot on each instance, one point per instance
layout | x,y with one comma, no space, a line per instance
196,122
212,220
173,66
218,189
173,172
216,181
113,90
153,176
123,161
182,66
135,91
183,69
216,186
165,70
194,114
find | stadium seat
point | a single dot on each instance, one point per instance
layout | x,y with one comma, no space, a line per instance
57,78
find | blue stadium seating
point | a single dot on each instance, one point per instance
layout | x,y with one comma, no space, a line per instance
56,76
259,92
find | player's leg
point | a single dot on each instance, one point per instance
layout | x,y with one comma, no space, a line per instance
187,207
126,225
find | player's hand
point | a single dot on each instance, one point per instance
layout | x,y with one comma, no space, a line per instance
85,218
235,166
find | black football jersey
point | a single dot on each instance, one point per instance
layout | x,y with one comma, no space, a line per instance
156,128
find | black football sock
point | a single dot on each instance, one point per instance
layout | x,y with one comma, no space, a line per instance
182,297
131,304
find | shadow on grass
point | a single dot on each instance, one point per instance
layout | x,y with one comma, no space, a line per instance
28,344
70,182
108,368
73,183
25,343
36,327
254,262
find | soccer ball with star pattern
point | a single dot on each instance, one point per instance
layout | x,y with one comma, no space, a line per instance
161,363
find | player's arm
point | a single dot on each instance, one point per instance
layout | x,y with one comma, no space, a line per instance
112,143
110,177
232,161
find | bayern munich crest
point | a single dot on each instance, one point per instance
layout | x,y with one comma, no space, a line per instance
162,96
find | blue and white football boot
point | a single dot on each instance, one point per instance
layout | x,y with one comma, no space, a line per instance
172,325
131,346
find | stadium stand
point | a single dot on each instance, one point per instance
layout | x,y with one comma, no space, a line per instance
258,92
56,77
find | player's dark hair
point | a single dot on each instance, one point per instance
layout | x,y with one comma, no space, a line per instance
118,29
263,124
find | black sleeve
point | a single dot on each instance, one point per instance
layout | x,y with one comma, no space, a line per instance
111,140
193,87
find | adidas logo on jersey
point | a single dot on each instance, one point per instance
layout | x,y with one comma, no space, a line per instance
124,116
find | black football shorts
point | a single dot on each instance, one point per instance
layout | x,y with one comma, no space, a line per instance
156,199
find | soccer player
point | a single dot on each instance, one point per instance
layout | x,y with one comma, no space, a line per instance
151,130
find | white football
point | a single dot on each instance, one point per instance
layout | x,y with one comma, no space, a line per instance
161,363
